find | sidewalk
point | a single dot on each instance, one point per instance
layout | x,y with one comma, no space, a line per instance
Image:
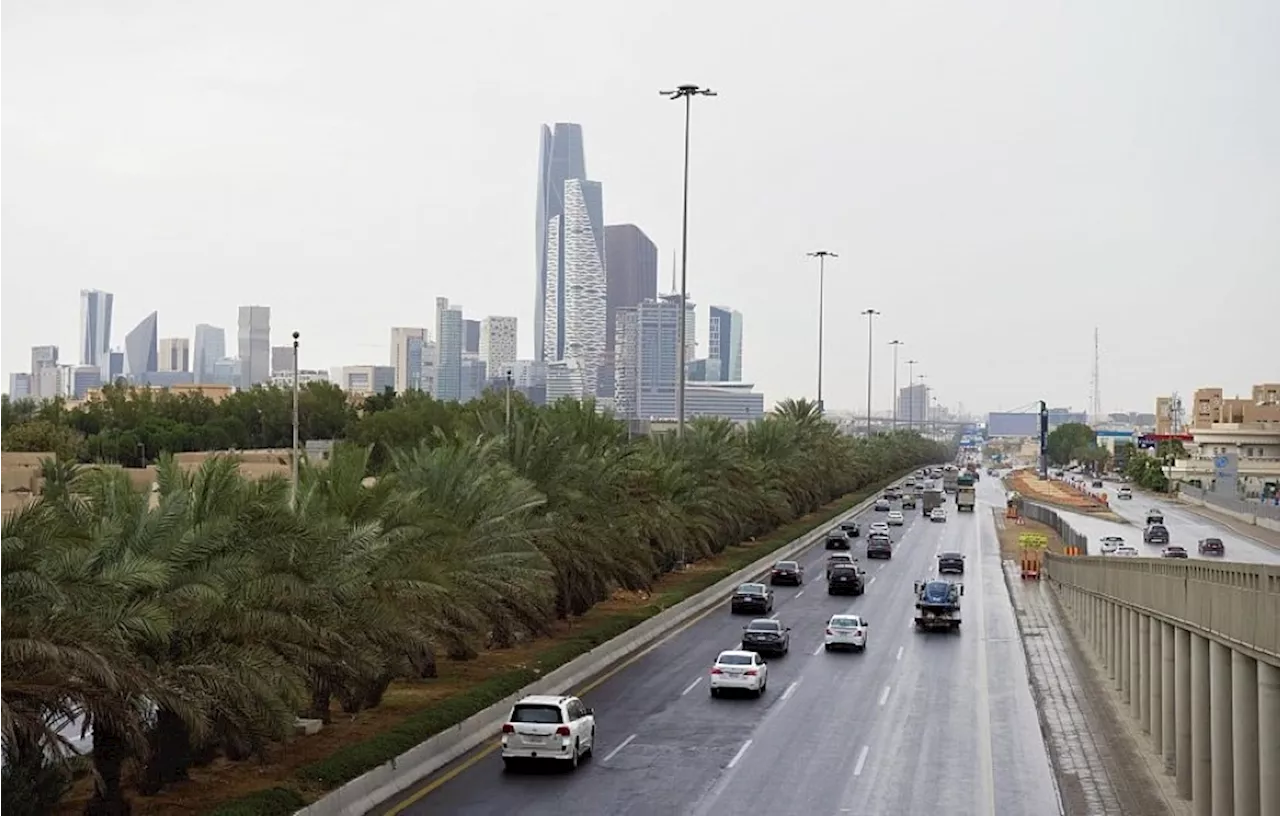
1101,766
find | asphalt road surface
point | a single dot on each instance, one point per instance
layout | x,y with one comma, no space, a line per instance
1185,530
918,723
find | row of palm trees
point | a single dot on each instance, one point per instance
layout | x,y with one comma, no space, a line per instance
203,617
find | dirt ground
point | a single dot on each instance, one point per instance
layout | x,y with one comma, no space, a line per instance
222,781
1058,494
1009,531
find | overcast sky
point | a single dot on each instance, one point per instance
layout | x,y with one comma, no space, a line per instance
998,178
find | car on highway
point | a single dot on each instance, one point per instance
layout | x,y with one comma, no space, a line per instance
895,518
1156,534
909,501
1110,544
851,528
878,527
1096,483
1127,552
751,597
787,572
938,514
879,545
561,729
845,631
882,506
837,559
950,562
1174,551
1212,546
766,636
1154,516
836,540
739,670
1124,493
845,579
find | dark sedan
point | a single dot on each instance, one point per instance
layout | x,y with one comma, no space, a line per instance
851,528
752,598
787,572
766,636
883,506
879,546
837,541
845,579
1212,546
1174,552
950,562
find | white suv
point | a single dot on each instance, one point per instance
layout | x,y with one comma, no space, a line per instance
545,727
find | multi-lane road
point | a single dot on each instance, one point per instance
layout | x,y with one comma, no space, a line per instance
1185,529
917,723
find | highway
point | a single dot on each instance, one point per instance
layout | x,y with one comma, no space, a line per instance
916,723
1185,529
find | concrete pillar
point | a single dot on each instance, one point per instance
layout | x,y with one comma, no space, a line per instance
1122,652
1144,672
1182,709
1244,735
1168,699
1201,759
1156,680
1220,748
1106,636
1135,666
1269,737
1116,617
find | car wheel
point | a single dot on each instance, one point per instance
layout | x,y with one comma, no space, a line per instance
715,692
826,647
573,758
591,746
508,764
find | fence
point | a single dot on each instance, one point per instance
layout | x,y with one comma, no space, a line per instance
1044,515
1230,503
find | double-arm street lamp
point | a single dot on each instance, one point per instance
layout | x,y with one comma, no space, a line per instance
911,381
687,93
871,316
822,256
895,344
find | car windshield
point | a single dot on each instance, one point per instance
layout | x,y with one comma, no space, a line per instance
535,713
785,565
948,556
1213,542
1175,549
844,569
937,589
764,626
734,660
845,622
841,556
750,589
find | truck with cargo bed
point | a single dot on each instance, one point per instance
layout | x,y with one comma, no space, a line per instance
938,604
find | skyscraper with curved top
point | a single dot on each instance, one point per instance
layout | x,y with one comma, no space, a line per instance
571,306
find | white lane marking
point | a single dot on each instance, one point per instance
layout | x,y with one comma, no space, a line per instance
790,689
872,581
615,751
798,594
821,646
884,695
691,687
862,760
738,755
899,657
985,748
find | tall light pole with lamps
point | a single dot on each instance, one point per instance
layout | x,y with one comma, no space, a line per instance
911,381
822,256
687,93
871,315
895,344
293,465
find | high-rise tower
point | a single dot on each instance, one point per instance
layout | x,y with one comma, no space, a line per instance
95,326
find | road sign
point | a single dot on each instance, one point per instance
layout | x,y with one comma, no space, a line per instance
1033,540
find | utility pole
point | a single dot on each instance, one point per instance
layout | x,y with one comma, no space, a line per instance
1044,440
822,256
895,344
293,465
687,93
911,383
871,315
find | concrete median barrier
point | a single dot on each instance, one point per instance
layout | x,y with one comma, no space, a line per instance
365,792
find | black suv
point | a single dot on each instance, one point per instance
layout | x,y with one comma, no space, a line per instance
766,636
844,579
1156,534
836,541
950,562
882,506
851,528
1212,546
752,598
787,572
879,545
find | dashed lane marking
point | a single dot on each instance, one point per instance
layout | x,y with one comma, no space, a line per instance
862,760
691,687
884,695
790,689
622,745
899,656
738,755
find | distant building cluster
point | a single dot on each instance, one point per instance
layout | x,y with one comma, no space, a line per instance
601,330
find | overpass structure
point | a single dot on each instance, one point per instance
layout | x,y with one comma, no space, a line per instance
1193,648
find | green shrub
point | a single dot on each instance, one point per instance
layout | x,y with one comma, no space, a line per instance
269,802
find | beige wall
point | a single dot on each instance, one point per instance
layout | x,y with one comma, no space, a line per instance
1210,407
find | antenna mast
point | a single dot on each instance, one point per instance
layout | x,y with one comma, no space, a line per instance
675,290
1097,382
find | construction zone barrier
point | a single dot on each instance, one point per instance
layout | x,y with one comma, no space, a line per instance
1033,547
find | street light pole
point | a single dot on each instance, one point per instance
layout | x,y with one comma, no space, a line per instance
871,315
687,93
293,469
508,403
911,381
822,256
895,344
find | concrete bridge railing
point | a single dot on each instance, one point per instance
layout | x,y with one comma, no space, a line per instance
1193,650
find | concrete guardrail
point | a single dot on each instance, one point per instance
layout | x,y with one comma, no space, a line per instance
364,792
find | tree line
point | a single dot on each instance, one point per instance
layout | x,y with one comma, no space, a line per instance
200,619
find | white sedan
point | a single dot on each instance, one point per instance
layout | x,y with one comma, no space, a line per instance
736,670
846,631
1111,543
895,518
1127,552
938,514
878,527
